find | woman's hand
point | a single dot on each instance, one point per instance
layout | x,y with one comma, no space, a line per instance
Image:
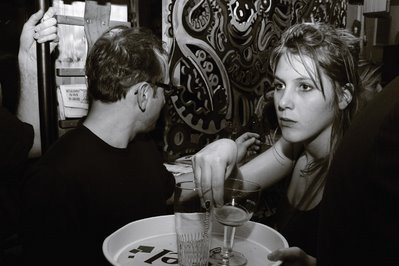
292,256
212,165
245,142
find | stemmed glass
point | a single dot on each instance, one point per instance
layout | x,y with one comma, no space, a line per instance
240,201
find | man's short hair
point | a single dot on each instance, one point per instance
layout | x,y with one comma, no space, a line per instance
121,58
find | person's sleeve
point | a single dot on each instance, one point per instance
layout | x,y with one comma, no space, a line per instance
16,141
168,178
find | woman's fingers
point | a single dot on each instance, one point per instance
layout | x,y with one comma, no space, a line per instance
217,182
211,165
209,175
198,169
247,135
292,256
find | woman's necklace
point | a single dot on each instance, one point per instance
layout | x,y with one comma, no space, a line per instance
306,171
300,184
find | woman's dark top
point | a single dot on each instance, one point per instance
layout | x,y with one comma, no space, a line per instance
298,227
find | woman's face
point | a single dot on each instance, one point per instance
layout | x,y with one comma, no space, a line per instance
303,113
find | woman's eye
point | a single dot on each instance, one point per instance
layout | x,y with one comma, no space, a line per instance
278,86
305,87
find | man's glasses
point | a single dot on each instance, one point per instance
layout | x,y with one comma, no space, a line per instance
168,88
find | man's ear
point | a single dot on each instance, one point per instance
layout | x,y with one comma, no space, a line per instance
143,95
346,97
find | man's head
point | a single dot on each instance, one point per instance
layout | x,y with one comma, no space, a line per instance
123,69
121,58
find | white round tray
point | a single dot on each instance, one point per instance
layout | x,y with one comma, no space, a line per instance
152,241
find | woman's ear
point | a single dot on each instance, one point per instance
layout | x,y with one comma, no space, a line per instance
346,97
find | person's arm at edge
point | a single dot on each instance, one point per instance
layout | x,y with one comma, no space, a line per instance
28,107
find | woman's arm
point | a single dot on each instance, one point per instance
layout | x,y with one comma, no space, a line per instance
272,165
218,161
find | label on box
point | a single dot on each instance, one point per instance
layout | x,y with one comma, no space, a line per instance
74,95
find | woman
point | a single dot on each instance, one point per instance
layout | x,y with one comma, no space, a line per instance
316,89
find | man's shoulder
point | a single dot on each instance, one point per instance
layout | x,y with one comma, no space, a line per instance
389,95
375,128
383,105
70,145
68,154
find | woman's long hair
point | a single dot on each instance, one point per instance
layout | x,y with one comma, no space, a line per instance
333,52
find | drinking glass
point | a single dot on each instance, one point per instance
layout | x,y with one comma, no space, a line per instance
239,203
192,225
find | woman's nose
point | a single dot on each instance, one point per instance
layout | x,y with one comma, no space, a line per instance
285,99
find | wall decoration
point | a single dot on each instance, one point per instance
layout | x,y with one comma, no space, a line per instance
219,54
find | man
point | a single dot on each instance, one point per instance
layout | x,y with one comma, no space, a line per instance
359,221
107,172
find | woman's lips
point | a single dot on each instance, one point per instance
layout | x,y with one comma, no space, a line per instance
286,122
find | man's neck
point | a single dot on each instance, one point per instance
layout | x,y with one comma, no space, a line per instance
111,124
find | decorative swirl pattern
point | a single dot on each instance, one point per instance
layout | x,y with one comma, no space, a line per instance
205,101
197,16
219,57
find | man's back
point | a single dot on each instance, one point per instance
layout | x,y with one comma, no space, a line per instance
359,224
84,189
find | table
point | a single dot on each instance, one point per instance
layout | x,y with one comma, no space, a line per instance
152,241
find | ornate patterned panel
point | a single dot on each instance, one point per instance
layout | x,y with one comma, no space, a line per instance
219,58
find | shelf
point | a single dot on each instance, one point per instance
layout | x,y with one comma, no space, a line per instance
68,123
79,21
380,14
70,72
